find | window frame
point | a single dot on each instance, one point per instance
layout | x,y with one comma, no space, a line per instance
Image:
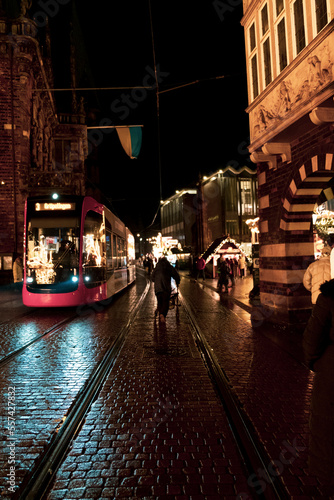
279,18
315,30
253,54
294,32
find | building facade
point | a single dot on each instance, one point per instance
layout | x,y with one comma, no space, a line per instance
229,199
290,55
219,206
179,217
40,150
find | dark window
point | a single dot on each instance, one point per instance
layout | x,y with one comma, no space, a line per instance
299,25
62,155
267,61
252,38
282,53
279,7
265,19
255,82
321,14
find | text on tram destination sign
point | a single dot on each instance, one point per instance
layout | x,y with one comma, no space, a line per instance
54,206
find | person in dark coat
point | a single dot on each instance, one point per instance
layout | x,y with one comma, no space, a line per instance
318,344
161,276
223,275
200,266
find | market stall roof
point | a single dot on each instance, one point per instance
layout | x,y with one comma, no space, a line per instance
220,245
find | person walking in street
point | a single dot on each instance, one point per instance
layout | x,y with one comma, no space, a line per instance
161,276
317,273
318,345
200,266
18,273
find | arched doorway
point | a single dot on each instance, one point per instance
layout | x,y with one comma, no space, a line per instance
286,231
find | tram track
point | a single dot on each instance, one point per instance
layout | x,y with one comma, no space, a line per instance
10,356
44,471
250,448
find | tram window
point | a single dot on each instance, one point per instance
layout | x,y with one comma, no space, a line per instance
52,250
109,253
114,250
108,249
93,248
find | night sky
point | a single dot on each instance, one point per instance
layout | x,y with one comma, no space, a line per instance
203,127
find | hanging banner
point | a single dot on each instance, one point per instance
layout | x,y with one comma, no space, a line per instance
131,139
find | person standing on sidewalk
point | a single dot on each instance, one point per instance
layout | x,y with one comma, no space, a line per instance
318,345
161,276
200,266
242,266
18,273
317,273
223,275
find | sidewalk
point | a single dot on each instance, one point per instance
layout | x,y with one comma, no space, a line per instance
11,304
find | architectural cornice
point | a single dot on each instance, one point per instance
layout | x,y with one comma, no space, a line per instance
320,116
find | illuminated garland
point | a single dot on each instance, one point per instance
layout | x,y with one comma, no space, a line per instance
227,240
324,223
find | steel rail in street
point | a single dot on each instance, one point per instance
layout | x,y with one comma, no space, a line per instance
251,449
52,329
44,472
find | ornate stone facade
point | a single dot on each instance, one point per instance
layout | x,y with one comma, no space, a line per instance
31,131
291,120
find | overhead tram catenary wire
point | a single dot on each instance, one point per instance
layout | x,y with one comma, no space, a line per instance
131,87
81,89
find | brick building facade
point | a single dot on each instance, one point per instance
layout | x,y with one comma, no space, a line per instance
290,55
40,150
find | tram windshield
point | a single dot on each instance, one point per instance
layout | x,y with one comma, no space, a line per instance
52,250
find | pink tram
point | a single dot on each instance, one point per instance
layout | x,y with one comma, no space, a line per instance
76,252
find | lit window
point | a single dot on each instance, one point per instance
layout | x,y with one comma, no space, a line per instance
246,197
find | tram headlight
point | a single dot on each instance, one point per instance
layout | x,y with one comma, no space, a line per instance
30,279
75,279
87,278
